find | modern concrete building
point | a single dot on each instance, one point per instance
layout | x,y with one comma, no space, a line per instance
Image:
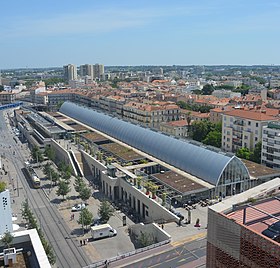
87,70
5,212
271,145
26,251
243,128
98,70
70,72
235,225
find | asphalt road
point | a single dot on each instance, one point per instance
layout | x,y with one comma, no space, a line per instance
67,250
189,255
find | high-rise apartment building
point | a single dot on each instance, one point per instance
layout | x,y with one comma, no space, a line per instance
271,145
243,128
86,70
98,70
70,72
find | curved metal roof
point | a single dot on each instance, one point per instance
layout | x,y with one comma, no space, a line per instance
198,161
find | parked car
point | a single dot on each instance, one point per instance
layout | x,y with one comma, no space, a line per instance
273,231
78,207
96,222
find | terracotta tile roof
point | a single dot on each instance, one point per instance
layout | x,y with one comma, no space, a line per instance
252,115
179,123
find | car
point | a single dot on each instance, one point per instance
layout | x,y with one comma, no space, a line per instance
78,207
96,221
273,231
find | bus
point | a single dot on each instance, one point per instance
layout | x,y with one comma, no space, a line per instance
31,175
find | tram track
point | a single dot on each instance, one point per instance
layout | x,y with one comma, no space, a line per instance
56,231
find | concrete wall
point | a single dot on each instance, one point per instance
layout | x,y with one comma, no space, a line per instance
5,212
152,230
62,155
147,208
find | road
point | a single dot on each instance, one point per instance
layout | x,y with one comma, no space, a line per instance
187,255
68,252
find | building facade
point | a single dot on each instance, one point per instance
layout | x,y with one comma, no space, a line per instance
271,145
70,72
243,128
235,225
5,212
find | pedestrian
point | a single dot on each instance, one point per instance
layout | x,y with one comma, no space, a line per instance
162,226
84,242
81,242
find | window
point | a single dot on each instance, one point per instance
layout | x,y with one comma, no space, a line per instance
249,123
256,138
257,124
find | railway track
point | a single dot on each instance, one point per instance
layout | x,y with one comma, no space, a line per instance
58,234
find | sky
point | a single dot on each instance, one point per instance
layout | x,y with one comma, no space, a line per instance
53,33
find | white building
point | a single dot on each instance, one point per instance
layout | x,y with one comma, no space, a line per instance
5,213
271,145
243,128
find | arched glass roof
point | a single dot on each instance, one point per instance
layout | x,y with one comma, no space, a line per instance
201,162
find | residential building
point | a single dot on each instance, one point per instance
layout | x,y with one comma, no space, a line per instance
243,128
70,72
112,104
151,115
98,70
271,145
175,128
86,70
235,226
7,97
222,93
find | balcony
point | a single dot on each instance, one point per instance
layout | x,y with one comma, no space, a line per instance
239,122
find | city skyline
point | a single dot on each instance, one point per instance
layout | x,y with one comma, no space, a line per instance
139,33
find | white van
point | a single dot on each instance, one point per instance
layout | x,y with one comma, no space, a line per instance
102,231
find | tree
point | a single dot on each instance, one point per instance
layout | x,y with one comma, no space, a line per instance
63,188
207,89
256,154
7,239
85,218
37,154
79,184
66,175
54,176
85,193
244,153
25,210
2,186
200,129
50,153
213,138
105,211
47,169
146,240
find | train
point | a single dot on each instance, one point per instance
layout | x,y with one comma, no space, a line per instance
31,175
